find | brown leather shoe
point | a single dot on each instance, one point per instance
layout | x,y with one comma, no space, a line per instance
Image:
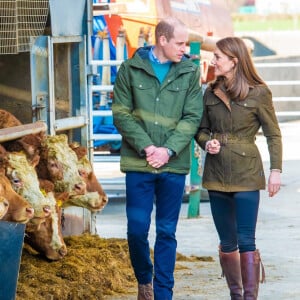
145,292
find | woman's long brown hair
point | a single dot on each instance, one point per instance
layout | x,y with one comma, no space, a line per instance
245,74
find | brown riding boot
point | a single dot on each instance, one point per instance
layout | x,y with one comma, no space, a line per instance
145,291
230,263
250,266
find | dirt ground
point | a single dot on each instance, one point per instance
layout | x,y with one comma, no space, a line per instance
277,238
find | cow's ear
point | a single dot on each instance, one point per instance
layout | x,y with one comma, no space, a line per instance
3,157
2,151
35,160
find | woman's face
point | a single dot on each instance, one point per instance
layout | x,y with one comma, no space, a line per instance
223,64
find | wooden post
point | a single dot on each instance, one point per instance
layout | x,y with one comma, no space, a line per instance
195,178
121,46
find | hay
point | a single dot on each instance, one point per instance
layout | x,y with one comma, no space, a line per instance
93,267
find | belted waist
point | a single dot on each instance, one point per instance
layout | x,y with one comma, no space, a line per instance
228,138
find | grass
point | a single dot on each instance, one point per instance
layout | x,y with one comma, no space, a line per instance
263,23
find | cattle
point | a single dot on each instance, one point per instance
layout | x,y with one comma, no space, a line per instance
19,210
43,232
58,163
47,238
86,171
8,120
24,180
3,206
75,183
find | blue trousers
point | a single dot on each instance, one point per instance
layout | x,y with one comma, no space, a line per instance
235,217
142,191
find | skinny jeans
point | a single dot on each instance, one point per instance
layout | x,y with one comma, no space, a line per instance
235,218
143,190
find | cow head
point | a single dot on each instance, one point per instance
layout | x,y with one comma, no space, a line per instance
19,210
47,238
93,186
3,206
24,180
58,163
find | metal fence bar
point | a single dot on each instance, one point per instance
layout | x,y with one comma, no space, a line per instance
277,65
283,82
106,62
288,113
69,123
102,88
102,113
107,136
284,99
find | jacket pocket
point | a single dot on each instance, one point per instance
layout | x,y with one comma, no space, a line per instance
141,84
177,86
243,159
247,103
211,101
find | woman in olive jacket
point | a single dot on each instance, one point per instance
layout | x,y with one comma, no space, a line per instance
236,105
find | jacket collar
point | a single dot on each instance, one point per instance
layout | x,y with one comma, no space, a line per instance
141,60
221,93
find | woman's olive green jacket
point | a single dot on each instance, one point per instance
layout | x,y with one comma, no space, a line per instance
238,165
149,113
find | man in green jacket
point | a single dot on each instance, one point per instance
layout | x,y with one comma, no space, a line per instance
157,108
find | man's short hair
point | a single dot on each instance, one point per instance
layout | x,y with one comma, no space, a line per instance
166,28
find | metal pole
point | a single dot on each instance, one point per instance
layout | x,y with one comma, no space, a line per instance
12,133
195,178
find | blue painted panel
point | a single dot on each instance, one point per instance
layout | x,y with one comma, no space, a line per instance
39,71
11,243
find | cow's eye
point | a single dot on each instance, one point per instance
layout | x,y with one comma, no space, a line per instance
14,174
83,173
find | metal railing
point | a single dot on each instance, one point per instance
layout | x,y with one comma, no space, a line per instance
283,83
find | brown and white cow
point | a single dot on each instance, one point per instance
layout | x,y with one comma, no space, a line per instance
8,120
59,164
24,180
4,204
47,238
19,210
86,171
43,232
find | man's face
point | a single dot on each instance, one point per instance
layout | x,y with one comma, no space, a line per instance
174,49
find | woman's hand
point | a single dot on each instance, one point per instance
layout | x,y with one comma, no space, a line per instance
213,146
274,182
